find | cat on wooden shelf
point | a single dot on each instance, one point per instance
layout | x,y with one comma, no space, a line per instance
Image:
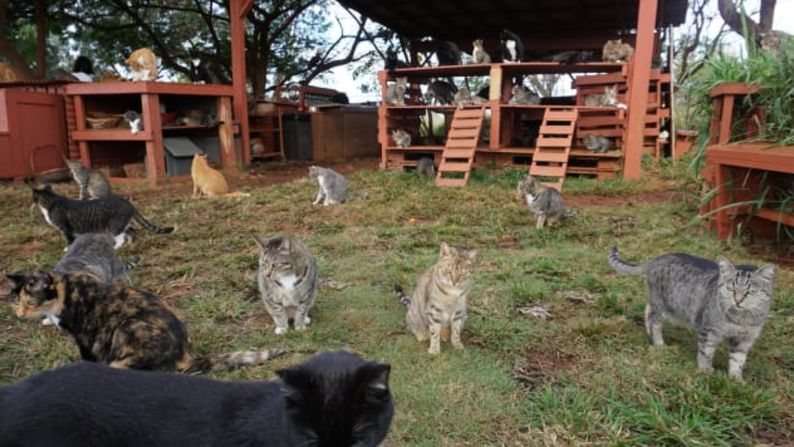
617,51
478,54
143,64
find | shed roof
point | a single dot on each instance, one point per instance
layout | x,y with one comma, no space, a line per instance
460,20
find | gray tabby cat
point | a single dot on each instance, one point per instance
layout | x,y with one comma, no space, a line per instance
401,138
719,300
92,182
288,281
440,92
597,143
333,186
134,119
425,167
609,98
93,254
437,308
522,95
544,202
395,93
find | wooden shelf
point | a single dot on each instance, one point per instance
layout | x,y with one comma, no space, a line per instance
575,152
162,88
188,127
266,155
523,67
775,216
110,135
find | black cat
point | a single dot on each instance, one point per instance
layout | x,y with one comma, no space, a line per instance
334,399
447,53
111,213
393,61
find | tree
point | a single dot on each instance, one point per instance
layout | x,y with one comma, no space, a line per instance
695,44
739,21
18,39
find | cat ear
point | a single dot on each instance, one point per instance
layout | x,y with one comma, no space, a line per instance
13,285
298,384
445,249
726,267
374,382
766,272
258,240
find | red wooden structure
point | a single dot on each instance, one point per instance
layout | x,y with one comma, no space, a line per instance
546,26
736,169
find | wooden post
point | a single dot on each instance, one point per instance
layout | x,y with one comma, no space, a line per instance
155,153
79,113
226,132
383,134
639,80
238,9
494,99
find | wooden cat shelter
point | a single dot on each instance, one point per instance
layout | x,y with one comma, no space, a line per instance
546,27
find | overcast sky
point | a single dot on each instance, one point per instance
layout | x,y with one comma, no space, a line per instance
342,79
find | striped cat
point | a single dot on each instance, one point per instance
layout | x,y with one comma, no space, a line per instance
545,203
122,327
112,213
439,300
93,254
92,182
721,301
287,280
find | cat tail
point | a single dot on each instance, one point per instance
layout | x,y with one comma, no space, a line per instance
622,267
138,217
404,299
570,213
229,361
131,263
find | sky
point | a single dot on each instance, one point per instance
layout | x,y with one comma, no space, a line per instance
342,79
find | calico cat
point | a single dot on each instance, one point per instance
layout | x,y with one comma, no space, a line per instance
395,93
512,47
597,143
333,399
9,73
545,203
440,92
401,138
616,51
208,181
478,53
425,167
439,300
123,327
522,95
609,98
288,281
111,213
93,254
333,186
447,53
93,183
133,118
719,300
143,64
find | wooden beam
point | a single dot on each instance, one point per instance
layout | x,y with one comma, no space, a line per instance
639,80
237,13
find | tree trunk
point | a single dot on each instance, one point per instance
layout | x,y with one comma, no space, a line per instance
733,18
41,39
7,49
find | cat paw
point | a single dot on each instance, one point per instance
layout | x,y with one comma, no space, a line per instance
281,330
457,345
434,350
736,376
307,321
705,369
46,322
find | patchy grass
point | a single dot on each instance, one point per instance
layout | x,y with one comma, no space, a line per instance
592,378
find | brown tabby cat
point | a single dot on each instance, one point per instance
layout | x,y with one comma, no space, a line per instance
143,64
439,300
208,181
8,73
123,327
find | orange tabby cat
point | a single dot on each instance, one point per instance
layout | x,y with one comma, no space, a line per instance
8,73
143,64
208,181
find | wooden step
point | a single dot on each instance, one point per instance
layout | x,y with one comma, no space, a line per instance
561,142
464,133
458,153
554,145
557,130
555,157
452,166
549,171
559,115
461,146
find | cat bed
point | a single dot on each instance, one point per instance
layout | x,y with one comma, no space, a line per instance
179,152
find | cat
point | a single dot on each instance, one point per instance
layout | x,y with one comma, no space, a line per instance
143,65
440,92
545,203
572,57
597,143
439,300
332,399
522,95
616,51
392,61
425,167
93,254
123,327
208,181
401,138
609,98
92,182
719,300
9,73
333,186
134,120
288,281
512,47
447,53
111,213
395,92
478,53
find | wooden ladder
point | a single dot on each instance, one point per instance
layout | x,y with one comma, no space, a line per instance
554,145
458,155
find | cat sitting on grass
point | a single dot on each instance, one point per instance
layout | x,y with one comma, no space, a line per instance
332,186
544,202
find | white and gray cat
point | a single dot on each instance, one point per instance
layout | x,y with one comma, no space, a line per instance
333,186
522,95
401,138
395,92
288,281
93,183
721,301
545,203
134,120
597,143
478,53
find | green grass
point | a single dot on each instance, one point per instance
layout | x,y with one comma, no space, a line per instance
599,381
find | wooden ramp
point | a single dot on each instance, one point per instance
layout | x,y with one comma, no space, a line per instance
458,154
554,145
